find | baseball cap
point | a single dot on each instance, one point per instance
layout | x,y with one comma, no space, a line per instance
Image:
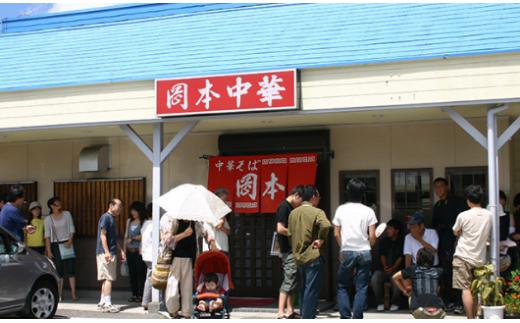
416,218
33,205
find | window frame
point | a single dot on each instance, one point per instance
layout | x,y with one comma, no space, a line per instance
420,169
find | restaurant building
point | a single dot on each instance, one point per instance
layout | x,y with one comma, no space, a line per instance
395,94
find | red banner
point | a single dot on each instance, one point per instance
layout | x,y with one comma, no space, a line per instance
273,90
274,183
302,170
259,183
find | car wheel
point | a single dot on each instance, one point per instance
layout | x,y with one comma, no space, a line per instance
42,301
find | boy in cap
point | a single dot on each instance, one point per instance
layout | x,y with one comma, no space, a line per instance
418,238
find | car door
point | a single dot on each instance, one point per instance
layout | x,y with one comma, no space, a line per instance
14,284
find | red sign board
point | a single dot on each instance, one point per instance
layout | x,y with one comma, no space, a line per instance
265,91
257,184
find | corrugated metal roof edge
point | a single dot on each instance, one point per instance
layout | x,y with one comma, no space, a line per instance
274,67
213,11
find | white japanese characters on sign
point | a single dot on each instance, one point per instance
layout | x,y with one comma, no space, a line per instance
270,90
178,95
206,93
247,186
273,187
238,90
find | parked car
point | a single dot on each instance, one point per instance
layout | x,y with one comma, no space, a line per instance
28,280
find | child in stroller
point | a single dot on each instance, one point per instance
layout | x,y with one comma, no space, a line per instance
211,296
213,280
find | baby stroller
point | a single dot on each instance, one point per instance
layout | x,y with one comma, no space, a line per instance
212,262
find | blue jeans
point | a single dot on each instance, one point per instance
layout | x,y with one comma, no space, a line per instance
311,285
361,261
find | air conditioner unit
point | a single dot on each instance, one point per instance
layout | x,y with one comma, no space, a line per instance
95,159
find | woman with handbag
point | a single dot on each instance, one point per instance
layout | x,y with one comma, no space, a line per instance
132,245
59,243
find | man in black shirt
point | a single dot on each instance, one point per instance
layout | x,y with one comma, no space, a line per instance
445,212
289,267
391,260
421,283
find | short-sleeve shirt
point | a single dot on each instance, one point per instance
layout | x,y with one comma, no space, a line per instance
411,246
354,220
391,249
61,229
36,239
282,216
108,223
425,282
11,218
475,225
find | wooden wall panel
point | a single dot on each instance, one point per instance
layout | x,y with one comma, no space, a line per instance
87,200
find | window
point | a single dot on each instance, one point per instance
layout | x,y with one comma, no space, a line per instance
371,180
461,177
411,192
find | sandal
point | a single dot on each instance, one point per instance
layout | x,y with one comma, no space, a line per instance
294,316
281,317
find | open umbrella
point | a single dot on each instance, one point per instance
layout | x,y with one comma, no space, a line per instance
193,203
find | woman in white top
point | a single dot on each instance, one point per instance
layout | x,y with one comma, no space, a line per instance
146,254
221,229
59,238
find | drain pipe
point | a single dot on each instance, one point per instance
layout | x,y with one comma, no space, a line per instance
493,184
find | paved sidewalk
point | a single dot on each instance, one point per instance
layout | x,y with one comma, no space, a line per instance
86,308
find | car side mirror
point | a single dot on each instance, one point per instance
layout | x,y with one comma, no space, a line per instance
20,248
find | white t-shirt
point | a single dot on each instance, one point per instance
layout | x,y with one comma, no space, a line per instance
475,225
354,220
146,240
411,246
221,239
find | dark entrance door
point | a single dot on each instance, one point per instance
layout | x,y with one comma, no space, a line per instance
255,272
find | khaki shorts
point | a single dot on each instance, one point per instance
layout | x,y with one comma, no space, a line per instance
290,272
462,274
106,270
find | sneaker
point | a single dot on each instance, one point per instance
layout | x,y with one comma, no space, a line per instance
450,307
110,309
380,308
100,306
394,308
459,310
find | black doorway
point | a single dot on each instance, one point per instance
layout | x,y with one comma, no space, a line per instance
255,272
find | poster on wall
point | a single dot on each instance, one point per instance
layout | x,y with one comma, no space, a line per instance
257,184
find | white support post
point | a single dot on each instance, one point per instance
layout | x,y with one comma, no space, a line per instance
510,132
466,126
157,179
493,185
137,141
177,140
157,156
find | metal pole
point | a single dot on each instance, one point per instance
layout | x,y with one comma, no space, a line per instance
493,185
157,179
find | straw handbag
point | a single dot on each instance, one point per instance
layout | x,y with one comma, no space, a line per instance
162,269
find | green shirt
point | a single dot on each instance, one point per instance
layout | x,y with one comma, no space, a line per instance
306,225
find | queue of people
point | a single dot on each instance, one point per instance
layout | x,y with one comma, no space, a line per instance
432,266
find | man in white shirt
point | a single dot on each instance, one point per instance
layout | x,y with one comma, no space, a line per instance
355,233
419,237
473,228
